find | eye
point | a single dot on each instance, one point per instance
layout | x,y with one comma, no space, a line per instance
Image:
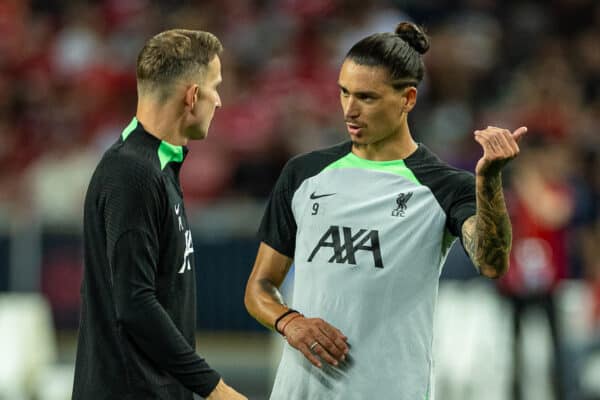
365,97
344,92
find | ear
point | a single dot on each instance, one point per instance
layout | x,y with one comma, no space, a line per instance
191,96
410,98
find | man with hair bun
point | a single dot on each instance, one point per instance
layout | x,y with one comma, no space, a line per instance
138,313
368,224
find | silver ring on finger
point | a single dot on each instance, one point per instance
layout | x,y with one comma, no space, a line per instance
313,345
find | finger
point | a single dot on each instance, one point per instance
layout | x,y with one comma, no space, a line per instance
479,138
502,146
330,347
324,354
484,138
309,355
339,333
328,329
333,333
501,139
511,143
337,339
518,134
496,144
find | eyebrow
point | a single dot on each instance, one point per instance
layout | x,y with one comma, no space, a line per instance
360,92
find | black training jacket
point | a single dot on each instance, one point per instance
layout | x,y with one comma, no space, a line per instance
138,316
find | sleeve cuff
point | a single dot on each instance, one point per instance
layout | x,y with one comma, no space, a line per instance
212,379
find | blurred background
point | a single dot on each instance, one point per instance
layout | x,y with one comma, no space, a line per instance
67,89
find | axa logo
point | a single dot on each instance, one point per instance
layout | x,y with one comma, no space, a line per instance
345,244
401,204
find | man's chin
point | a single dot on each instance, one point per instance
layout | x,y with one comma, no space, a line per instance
358,141
199,135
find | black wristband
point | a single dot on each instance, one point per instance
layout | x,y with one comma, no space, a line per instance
288,312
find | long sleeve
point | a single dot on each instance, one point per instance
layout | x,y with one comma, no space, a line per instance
146,321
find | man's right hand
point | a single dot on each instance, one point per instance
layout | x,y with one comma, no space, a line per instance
313,336
224,392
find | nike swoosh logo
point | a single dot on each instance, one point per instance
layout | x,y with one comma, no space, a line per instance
314,196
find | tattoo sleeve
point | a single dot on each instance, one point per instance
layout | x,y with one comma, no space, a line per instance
487,236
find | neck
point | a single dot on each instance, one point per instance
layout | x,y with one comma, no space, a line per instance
161,121
394,147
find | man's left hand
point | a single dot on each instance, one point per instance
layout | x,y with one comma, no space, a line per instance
499,147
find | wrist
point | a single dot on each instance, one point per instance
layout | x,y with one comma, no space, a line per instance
489,174
216,390
287,322
289,312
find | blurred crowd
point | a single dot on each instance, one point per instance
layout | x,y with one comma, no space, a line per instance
67,84
67,89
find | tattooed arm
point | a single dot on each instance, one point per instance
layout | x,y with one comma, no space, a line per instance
487,235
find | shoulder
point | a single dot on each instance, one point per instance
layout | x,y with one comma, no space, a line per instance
306,165
120,168
453,188
430,169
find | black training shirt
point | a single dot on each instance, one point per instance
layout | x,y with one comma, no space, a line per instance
138,317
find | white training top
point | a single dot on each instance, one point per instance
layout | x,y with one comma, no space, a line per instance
368,241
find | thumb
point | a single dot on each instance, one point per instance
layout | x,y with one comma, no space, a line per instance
517,134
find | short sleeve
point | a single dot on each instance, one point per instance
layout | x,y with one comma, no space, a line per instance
462,201
278,225
453,188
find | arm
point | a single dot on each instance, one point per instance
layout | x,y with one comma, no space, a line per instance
487,235
149,325
265,303
263,299
132,217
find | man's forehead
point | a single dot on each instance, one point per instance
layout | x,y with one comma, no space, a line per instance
362,77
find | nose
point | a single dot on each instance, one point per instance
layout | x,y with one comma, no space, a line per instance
351,108
218,102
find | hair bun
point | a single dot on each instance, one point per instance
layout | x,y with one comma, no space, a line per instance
414,36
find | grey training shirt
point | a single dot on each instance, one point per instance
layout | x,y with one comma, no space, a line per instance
368,240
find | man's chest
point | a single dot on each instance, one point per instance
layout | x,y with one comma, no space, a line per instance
363,200
177,248
363,218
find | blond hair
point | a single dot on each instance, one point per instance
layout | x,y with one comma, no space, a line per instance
171,56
